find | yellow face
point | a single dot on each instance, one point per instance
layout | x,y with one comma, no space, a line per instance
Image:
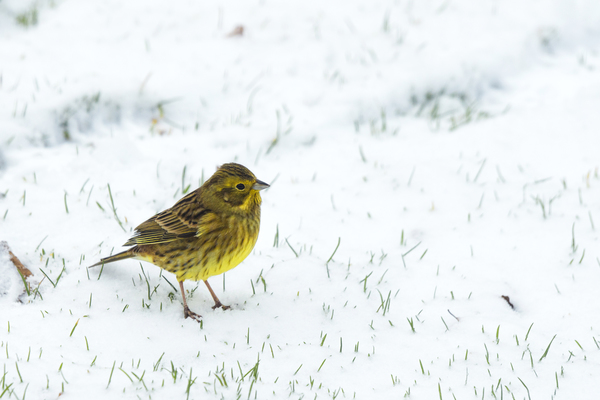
237,191
234,187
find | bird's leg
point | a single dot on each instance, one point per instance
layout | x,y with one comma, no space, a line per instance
215,298
186,310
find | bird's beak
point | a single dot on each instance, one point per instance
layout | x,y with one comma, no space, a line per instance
260,185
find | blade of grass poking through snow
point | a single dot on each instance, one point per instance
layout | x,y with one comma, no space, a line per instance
170,284
321,366
498,335
582,255
276,239
46,275
480,169
253,372
528,330
6,389
365,282
157,363
291,248
74,326
385,303
147,283
323,340
111,373
298,369
18,372
112,204
89,195
405,254
100,273
83,186
334,251
64,268
126,374
547,349
184,189
526,388
38,246
27,289
445,324
332,254
189,384
412,174
362,154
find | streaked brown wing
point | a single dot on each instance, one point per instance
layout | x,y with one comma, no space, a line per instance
180,221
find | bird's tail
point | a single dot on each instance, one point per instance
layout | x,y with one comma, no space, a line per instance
117,257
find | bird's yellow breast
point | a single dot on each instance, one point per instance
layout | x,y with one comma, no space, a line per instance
215,266
228,254
214,251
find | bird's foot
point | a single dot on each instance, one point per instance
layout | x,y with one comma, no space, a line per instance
219,305
188,313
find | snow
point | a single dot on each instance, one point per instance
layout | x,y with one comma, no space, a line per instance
449,147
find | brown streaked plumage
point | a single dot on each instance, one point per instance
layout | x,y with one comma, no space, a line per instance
207,232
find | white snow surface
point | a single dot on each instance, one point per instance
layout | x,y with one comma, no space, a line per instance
451,147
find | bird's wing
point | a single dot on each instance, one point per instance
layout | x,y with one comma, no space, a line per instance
180,221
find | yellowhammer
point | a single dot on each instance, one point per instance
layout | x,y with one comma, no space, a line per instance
207,232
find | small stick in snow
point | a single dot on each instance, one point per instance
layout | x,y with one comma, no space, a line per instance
508,301
17,263
449,312
237,31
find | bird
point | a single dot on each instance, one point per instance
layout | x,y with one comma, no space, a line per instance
207,232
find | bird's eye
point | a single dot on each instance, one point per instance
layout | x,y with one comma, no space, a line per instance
240,186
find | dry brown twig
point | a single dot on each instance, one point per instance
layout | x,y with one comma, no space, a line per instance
15,260
237,31
508,301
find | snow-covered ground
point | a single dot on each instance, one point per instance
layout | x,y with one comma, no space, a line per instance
450,147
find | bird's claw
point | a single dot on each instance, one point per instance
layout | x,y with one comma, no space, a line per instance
219,305
188,313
